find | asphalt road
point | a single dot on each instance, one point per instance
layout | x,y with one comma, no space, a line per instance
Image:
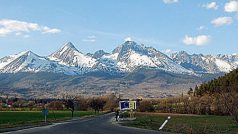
94,125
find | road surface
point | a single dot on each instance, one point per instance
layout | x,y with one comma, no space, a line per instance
95,125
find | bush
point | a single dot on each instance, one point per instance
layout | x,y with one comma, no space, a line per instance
146,106
125,114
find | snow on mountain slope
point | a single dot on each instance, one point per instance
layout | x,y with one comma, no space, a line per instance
223,65
141,60
205,63
108,63
125,58
6,60
30,62
111,56
233,58
70,56
131,56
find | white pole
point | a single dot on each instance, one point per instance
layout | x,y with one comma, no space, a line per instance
165,122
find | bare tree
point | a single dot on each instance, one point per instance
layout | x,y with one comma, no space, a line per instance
69,101
97,104
231,103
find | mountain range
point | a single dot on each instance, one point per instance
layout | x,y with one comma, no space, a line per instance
125,58
131,70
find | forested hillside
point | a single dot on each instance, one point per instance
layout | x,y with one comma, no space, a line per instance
223,84
222,93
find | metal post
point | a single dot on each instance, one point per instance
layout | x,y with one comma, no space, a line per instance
45,118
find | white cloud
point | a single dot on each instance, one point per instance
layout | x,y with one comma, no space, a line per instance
4,32
231,6
90,38
222,21
128,39
170,1
50,30
212,5
8,26
199,40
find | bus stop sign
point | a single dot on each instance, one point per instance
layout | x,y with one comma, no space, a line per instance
45,112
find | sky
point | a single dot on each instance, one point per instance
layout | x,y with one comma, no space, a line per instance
43,26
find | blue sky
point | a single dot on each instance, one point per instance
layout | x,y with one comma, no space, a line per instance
43,26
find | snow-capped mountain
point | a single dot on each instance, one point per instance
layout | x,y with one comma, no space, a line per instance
68,55
200,63
233,58
126,58
30,62
98,54
131,56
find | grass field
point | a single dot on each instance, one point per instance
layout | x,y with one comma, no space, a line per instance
24,118
186,124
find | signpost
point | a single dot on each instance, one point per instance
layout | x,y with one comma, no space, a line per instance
45,112
127,105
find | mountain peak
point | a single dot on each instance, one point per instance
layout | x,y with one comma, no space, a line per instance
99,54
130,42
65,49
127,46
183,52
27,53
69,45
70,56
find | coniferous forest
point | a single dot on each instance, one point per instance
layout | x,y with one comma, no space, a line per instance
223,84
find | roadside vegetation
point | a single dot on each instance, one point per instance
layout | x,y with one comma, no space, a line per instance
217,97
202,124
25,118
21,112
212,106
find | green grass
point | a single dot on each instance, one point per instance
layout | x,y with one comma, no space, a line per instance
24,118
187,124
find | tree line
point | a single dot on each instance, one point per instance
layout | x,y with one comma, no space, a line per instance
68,102
223,84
